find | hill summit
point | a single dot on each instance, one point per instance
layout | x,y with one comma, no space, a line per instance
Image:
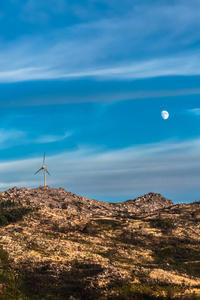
60,198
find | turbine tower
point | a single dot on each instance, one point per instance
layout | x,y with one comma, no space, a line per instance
45,170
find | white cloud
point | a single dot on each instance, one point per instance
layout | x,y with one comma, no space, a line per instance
51,138
146,69
11,137
194,111
170,167
110,47
187,66
24,74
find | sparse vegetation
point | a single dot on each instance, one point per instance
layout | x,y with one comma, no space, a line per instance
64,205
11,213
84,249
164,224
39,283
176,251
9,279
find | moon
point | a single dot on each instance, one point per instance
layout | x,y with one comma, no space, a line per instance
165,114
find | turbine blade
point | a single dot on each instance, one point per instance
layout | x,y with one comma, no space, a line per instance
48,172
43,158
38,171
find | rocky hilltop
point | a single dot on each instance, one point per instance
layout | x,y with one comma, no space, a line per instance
148,203
60,198
55,244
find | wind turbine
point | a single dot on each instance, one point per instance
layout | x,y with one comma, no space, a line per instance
45,170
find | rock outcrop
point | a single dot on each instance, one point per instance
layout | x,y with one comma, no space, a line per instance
60,198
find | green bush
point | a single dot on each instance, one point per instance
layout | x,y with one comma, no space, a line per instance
13,215
175,252
3,220
164,224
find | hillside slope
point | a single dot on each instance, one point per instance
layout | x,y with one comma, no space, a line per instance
64,246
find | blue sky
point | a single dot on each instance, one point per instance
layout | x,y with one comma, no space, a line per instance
86,81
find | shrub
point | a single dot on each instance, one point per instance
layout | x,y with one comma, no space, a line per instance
164,224
13,215
64,205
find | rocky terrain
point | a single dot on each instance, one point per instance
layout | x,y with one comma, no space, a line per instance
57,245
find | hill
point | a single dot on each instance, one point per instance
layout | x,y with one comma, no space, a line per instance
58,245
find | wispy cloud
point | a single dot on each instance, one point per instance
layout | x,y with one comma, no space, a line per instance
104,96
114,46
11,137
183,66
51,138
194,111
167,167
146,69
